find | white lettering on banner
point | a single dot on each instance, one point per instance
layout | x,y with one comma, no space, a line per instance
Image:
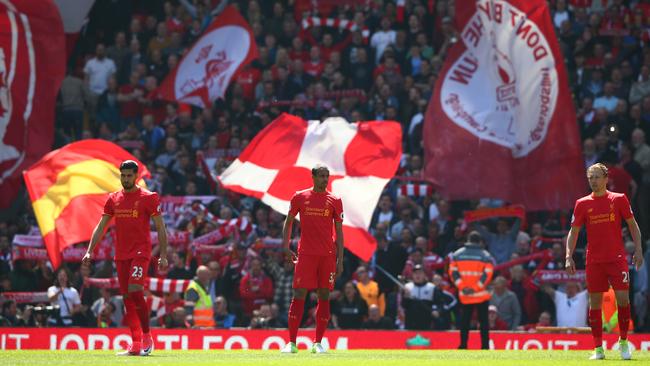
504,87
121,341
532,343
93,339
645,346
69,338
208,340
273,340
168,340
566,344
17,338
105,339
243,343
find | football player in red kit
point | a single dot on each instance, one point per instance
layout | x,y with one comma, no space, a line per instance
602,213
132,208
318,261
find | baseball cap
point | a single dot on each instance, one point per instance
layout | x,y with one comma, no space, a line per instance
417,267
492,308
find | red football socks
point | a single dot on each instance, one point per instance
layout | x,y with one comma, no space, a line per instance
624,320
596,323
295,317
142,309
322,319
132,319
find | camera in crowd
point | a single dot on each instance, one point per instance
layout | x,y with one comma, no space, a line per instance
49,310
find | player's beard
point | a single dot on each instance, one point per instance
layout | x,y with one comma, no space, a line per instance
127,185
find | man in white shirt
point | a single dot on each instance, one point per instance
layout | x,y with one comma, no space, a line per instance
97,72
570,306
382,39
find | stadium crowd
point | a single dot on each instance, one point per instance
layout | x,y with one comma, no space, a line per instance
384,70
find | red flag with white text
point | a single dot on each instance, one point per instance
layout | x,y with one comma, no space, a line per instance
501,123
362,157
32,66
205,72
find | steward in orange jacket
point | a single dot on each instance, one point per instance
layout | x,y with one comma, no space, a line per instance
471,269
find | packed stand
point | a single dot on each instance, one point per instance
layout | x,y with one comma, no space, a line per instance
385,69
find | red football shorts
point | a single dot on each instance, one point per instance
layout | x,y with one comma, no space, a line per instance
132,272
315,271
601,275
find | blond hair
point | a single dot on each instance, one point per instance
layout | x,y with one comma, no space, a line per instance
598,166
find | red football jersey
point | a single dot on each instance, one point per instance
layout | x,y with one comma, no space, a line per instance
318,212
132,212
602,218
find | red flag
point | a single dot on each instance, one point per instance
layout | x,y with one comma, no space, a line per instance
501,123
32,66
68,188
205,71
362,157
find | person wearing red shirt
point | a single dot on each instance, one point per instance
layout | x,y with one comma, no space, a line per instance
255,288
318,261
601,213
132,208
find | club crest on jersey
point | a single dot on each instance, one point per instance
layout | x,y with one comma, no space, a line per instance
506,56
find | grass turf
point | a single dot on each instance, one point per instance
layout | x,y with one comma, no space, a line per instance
303,358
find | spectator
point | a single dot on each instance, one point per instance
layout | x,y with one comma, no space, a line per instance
73,95
369,290
608,100
97,72
376,321
502,244
198,303
255,288
9,316
544,320
178,320
506,303
350,310
496,323
222,316
263,318
282,275
67,299
382,39
570,306
117,310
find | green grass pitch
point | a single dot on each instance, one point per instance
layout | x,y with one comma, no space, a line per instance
304,358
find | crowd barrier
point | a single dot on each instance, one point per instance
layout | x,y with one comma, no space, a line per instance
340,340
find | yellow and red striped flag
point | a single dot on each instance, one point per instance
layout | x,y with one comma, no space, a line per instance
68,188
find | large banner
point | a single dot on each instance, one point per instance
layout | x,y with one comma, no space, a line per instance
183,339
32,66
501,123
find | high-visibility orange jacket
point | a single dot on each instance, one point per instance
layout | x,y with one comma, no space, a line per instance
471,267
